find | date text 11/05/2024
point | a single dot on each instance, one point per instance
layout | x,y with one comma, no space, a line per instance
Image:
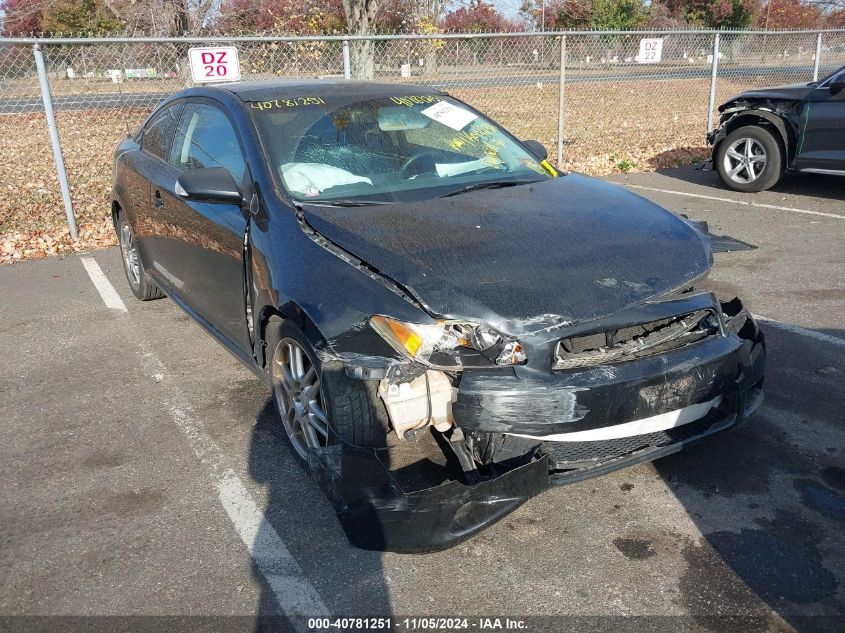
418,624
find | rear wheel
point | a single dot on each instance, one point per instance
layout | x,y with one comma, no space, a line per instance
140,283
317,403
749,159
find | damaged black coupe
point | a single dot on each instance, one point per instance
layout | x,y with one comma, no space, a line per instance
764,133
448,324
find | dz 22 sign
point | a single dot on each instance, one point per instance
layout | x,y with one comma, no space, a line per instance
651,50
210,64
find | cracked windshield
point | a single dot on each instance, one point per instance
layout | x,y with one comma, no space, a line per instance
388,148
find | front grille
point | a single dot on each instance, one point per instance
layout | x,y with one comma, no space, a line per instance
570,455
635,341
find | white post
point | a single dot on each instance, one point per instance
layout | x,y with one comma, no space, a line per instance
561,102
714,70
818,57
54,139
347,72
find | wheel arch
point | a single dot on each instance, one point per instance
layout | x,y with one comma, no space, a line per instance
782,131
270,318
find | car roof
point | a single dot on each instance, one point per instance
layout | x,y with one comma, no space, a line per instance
264,90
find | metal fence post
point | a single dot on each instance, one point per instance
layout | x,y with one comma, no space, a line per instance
818,57
347,71
561,102
54,139
711,103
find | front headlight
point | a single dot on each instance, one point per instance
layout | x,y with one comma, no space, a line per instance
450,344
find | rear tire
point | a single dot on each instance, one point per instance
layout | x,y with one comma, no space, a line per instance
340,410
140,283
749,159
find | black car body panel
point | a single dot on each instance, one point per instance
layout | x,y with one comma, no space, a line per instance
515,255
376,505
564,257
809,119
789,92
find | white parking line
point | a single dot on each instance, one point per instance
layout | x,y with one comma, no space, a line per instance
741,202
802,331
296,596
103,285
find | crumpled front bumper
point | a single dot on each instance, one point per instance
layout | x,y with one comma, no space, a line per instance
538,403
380,511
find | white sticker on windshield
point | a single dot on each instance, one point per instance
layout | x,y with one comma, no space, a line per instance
450,115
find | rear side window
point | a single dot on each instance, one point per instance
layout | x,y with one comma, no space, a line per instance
159,131
205,138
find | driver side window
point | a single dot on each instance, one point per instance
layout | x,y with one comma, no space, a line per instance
159,131
205,138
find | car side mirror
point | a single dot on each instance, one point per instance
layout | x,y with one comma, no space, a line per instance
211,184
837,84
537,149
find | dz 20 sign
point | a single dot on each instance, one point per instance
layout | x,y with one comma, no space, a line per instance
209,64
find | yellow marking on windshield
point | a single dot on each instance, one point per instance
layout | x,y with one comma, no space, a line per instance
475,140
413,100
549,168
533,166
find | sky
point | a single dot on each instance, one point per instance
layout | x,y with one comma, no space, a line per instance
510,8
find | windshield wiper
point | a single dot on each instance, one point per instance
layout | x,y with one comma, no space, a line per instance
341,203
488,185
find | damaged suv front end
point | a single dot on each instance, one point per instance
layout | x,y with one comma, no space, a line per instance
766,132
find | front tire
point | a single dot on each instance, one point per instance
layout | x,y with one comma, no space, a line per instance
317,403
140,283
749,159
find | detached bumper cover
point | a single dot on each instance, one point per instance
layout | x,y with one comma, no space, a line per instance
592,459
377,512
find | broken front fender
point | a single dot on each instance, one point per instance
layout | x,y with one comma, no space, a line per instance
782,118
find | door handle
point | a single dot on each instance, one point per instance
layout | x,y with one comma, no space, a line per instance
158,202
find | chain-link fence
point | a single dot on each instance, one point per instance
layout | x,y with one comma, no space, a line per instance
588,95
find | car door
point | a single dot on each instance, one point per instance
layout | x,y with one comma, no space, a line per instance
148,164
822,146
200,251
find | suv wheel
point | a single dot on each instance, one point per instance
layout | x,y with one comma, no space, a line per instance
749,159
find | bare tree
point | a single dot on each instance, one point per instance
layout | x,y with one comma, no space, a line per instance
360,19
180,24
428,14
432,9
833,11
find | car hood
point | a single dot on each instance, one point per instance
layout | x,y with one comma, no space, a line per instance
555,252
797,92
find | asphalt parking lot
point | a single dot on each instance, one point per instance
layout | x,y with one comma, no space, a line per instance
143,472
